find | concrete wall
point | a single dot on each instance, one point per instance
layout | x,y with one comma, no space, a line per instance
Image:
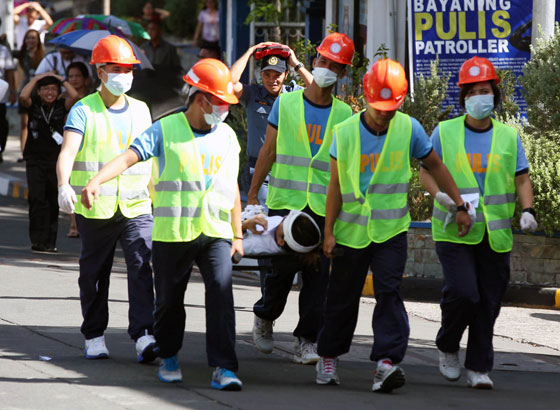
535,259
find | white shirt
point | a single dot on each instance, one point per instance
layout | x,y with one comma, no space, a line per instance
210,25
23,25
54,61
265,243
6,63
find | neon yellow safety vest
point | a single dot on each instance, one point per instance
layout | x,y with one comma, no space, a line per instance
183,206
129,191
297,179
496,207
383,212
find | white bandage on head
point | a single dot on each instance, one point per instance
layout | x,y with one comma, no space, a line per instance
289,238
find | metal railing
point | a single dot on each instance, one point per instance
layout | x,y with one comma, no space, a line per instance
292,29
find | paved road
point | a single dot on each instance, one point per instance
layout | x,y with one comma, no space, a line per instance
42,364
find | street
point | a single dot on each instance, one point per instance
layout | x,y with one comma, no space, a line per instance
42,364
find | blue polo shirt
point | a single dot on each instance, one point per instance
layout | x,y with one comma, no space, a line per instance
258,104
371,145
477,147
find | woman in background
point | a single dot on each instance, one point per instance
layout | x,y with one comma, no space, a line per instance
29,57
150,13
207,33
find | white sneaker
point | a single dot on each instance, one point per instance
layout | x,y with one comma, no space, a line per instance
449,366
479,380
262,335
96,349
145,348
326,371
387,377
305,351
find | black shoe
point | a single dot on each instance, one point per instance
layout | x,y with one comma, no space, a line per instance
39,248
20,159
52,250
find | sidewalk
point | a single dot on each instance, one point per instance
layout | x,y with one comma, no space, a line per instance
13,184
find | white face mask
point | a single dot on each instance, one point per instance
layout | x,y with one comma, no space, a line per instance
218,114
118,84
324,77
480,106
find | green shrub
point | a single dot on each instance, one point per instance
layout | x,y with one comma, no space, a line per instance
426,105
184,16
541,85
508,107
182,21
541,135
544,163
544,170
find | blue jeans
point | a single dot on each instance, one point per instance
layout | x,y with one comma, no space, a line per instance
99,238
475,281
390,321
173,263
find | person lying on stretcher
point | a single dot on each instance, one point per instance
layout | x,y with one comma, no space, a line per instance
275,235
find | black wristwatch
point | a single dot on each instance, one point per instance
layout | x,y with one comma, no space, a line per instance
297,67
463,207
531,211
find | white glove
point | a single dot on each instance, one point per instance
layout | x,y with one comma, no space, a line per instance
528,222
251,211
66,199
446,201
451,216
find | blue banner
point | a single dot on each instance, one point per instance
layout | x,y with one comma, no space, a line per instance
456,30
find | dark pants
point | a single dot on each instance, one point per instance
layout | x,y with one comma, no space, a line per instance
173,263
475,280
4,128
390,321
43,202
276,286
99,238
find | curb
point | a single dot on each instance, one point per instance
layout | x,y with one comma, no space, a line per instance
416,289
13,187
429,290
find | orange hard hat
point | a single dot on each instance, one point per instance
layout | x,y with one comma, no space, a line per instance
477,69
337,47
212,76
385,85
114,50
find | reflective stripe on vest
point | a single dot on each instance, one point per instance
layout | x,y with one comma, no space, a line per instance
389,188
496,207
498,199
383,212
298,179
129,191
180,186
183,206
